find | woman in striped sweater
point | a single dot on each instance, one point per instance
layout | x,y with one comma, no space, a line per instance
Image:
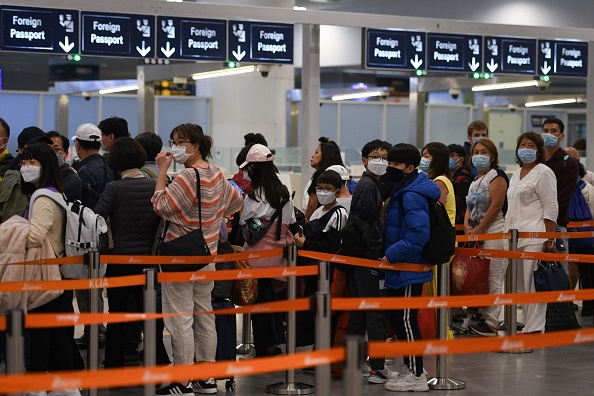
193,338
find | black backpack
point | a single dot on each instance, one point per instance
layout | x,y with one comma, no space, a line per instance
442,240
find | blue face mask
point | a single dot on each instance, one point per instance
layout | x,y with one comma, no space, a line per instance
481,162
527,155
452,164
550,141
425,165
477,139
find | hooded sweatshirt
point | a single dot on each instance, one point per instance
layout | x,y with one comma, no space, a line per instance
408,231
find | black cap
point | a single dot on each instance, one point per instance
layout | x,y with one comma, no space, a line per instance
32,135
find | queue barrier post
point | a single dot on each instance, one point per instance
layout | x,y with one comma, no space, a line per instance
246,347
15,343
290,387
441,381
323,326
355,353
511,311
150,326
93,262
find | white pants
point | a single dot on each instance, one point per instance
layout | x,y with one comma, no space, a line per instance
535,314
193,338
497,268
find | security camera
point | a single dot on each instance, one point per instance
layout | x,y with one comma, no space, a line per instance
180,81
455,92
264,70
512,107
543,85
86,95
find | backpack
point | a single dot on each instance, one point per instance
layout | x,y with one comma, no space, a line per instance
579,211
85,230
442,240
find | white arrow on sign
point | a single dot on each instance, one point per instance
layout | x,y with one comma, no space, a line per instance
239,54
474,64
416,63
169,51
546,68
66,45
144,50
492,66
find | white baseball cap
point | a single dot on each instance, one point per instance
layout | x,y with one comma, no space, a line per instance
87,132
257,153
341,170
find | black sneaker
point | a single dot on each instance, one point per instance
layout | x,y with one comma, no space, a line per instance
206,387
483,329
175,388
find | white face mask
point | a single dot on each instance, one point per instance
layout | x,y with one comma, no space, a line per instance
31,173
326,197
179,154
246,176
377,168
60,160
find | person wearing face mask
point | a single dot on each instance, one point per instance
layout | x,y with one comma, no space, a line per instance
193,337
476,131
532,207
461,179
407,233
6,159
363,236
72,183
484,215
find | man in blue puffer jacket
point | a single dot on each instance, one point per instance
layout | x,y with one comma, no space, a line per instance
407,233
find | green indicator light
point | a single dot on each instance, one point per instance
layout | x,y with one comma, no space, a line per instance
76,57
545,78
486,76
476,75
231,65
419,72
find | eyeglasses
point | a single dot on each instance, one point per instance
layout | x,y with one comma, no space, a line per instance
326,189
31,162
177,143
375,158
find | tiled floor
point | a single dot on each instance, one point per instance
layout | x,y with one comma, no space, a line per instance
555,371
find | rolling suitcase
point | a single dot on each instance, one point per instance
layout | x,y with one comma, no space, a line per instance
226,336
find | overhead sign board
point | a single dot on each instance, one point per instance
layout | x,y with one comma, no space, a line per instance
392,49
454,52
39,30
260,42
118,34
562,58
184,38
510,55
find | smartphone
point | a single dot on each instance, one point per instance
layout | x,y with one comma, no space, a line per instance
300,231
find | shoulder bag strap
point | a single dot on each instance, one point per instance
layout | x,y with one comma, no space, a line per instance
278,213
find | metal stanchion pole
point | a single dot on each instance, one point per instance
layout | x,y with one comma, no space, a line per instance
246,347
290,387
150,326
93,351
354,355
441,381
323,326
511,311
15,343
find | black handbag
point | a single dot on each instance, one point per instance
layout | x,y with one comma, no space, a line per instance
254,230
223,288
549,276
190,244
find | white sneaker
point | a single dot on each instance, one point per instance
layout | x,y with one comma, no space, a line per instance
70,392
403,369
365,369
408,382
380,376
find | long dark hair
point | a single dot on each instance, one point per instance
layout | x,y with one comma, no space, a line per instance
50,171
440,158
263,175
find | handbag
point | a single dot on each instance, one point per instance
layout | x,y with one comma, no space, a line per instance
245,291
469,275
254,230
190,244
223,288
549,276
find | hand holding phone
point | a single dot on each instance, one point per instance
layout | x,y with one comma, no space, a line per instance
300,231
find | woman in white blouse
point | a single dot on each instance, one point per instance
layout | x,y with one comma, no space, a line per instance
532,207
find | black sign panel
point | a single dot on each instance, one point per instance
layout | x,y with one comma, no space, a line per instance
393,49
454,52
260,42
39,30
118,34
184,38
510,55
562,58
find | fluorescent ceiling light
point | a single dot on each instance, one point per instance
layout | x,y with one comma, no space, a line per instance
356,95
554,102
224,72
510,85
121,88
298,8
